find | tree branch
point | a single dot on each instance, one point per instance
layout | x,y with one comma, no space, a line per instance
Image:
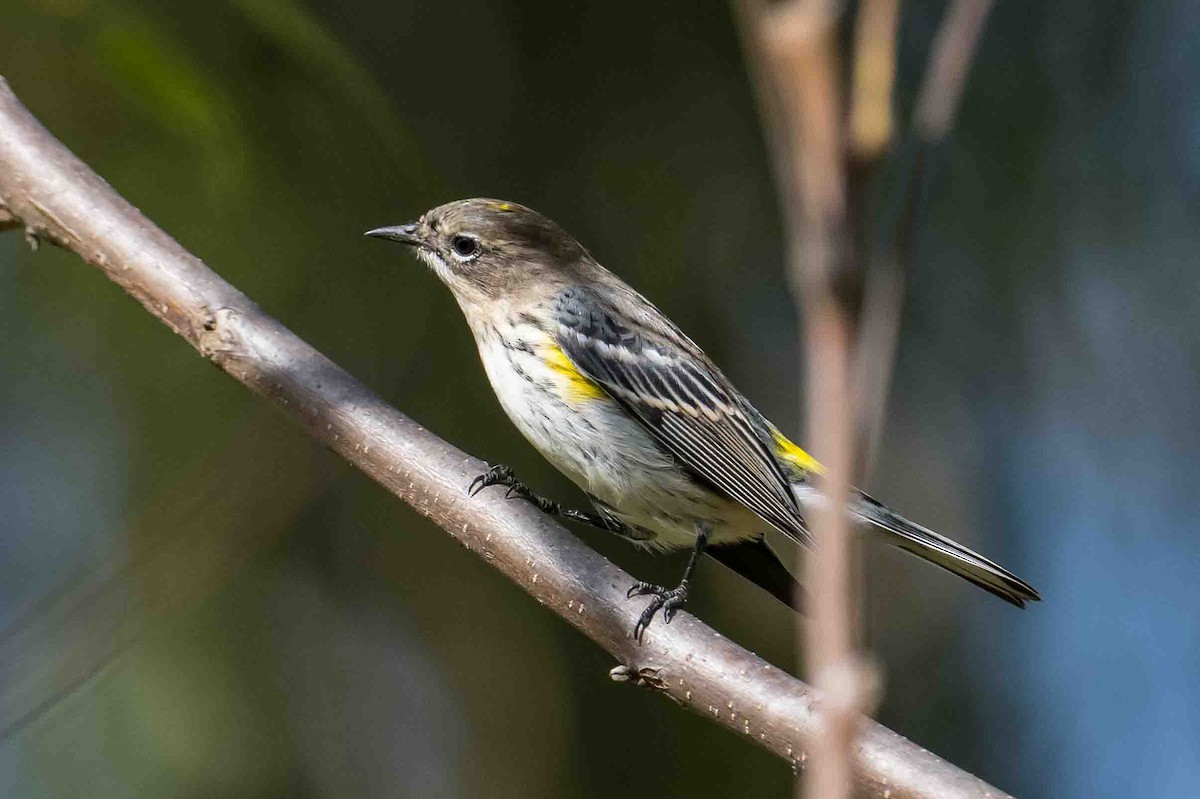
953,48
827,290
54,196
870,135
822,199
937,103
825,149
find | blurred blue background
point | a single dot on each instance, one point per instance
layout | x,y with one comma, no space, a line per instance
245,615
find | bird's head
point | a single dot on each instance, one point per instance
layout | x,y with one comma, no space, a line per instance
488,249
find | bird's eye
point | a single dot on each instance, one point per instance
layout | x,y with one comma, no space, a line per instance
465,247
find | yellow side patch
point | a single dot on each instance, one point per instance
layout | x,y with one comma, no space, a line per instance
792,455
576,387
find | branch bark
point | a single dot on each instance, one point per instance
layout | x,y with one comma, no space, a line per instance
55,197
826,291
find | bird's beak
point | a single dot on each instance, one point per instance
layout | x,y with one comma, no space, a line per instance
408,233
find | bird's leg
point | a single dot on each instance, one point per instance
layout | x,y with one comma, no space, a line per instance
668,600
503,475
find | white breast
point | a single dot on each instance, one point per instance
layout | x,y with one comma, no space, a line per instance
591,440
588,438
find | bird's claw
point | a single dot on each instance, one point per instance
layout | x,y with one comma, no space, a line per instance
641,589
517,490
497,475
503,475
668,600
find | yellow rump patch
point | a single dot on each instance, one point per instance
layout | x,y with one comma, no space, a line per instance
792,455
576,387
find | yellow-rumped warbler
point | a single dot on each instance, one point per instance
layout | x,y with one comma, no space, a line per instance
613,394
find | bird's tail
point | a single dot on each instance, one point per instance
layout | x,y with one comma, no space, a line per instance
941,551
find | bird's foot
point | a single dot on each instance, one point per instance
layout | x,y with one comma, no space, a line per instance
504,476
668,600
497,475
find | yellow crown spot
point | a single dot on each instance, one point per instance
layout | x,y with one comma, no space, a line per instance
502,206
574,385
792,455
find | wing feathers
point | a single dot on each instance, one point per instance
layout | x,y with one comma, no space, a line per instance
683,401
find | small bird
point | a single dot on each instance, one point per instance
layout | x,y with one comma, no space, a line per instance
614,395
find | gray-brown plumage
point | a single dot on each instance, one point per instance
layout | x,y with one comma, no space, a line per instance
613,394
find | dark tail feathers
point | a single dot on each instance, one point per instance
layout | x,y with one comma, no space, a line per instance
941,551
758,563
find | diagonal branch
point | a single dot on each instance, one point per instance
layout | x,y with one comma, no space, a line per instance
937,103
953,49
57,198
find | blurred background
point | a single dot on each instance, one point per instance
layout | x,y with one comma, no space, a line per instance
241,614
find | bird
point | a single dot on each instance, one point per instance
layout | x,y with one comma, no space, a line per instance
613,394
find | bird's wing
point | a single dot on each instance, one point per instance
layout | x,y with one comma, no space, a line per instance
682,399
